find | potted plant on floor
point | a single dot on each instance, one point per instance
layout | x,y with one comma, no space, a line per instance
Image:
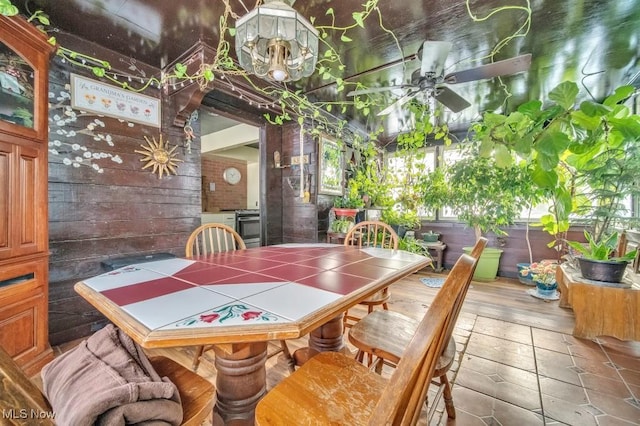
543,274
487,198
599,260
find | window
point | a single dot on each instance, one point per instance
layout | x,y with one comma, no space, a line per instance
406,169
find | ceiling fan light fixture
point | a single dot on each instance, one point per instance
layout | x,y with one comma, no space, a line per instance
275,42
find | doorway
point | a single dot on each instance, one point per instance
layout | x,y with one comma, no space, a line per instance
228,145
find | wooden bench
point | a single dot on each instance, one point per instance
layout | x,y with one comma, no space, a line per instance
332,388
19,397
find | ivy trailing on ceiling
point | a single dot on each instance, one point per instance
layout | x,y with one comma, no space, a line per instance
293,105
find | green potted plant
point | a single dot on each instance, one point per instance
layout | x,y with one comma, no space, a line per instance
349,204
487,198
401,220
430,237
543,275
599,260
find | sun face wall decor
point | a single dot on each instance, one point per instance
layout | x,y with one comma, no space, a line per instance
158,155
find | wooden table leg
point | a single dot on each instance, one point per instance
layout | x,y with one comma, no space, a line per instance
327,337
241,381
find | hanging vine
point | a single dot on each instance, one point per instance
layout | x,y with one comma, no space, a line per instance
292,104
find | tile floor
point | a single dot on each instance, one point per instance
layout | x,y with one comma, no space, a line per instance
513,374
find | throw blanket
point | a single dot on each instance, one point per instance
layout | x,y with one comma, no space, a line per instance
108,380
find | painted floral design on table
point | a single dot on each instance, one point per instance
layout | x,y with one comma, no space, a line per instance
236,313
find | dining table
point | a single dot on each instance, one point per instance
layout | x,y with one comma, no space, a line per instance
238,301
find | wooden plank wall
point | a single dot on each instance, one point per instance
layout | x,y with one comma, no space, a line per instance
271,196
118,211
457,235
300,220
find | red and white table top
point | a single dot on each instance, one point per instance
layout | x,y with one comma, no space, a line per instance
271,285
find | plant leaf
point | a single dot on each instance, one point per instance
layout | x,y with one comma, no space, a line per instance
564,94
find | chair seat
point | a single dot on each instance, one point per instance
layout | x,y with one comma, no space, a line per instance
196,393
329,389
372,335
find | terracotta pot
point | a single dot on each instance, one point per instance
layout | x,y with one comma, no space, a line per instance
343,212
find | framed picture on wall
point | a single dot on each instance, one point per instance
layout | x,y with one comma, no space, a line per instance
330,166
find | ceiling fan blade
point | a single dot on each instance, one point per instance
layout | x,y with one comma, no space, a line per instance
451,99
433,55
397,104
374,90
495,69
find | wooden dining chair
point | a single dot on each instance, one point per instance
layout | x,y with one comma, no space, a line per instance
371,233
384,335
213,238
17,392
332,388
217,238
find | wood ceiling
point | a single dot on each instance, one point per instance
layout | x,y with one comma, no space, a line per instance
593,42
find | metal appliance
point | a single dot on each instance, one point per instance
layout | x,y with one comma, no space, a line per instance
248,226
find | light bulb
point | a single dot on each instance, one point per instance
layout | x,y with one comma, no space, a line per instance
279,75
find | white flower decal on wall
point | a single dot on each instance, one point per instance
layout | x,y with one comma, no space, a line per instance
63,143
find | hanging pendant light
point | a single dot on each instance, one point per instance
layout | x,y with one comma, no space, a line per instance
275,42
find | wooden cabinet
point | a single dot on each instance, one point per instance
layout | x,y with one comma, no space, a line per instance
24,248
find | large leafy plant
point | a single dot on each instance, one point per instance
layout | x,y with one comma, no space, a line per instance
584,159
485,196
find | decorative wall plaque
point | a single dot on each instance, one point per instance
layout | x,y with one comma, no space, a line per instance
104,99
159,156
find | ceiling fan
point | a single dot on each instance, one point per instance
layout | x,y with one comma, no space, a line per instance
430,79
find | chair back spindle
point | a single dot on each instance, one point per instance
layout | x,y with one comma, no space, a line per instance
372,233
213,238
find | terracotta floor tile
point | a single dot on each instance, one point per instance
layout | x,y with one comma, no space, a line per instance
587,349
492,411
503,330
462,419
597,367
635,391
557,365
549,340
466,321
472,402
628,362
628,348
566,412
630,377
563,390
613,385
508,414
613,406
503,351
613,421
476,381
502,372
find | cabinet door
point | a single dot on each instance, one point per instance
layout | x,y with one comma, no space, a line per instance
23,309
23,203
